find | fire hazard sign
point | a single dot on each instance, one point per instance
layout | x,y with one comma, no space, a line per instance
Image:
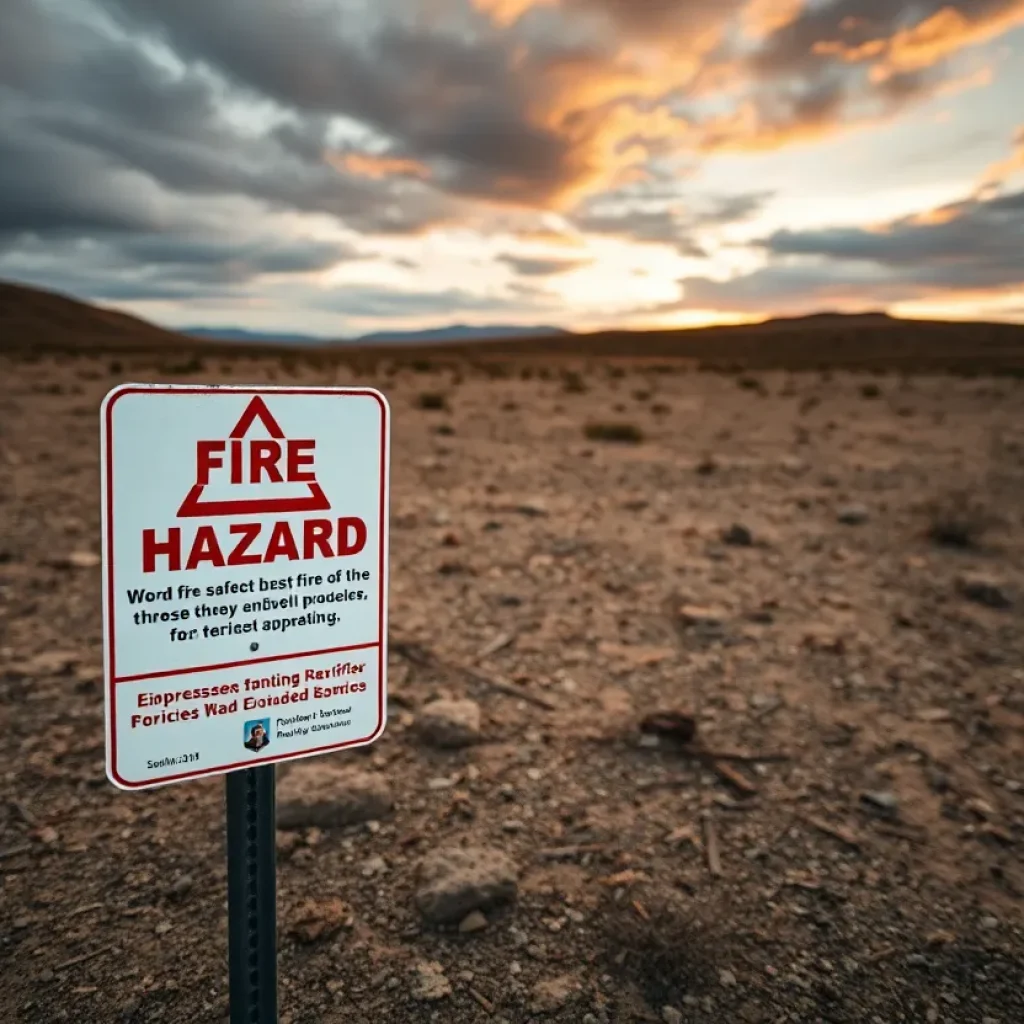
245,568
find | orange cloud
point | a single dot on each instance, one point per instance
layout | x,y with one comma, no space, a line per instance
763,17
925,44
995,175
369,165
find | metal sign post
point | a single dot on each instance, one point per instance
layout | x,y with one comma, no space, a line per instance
245,571
252,896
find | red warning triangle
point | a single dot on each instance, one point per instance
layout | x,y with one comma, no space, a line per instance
316,501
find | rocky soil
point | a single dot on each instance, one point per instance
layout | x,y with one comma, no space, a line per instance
707,704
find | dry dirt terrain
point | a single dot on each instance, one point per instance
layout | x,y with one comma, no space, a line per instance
748,658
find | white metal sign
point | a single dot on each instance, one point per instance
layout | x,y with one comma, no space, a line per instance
245,568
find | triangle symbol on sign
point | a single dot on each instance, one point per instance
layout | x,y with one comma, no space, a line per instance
316,501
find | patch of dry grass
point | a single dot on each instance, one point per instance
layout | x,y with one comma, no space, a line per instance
614,433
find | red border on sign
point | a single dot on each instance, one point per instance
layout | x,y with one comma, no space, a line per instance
112,678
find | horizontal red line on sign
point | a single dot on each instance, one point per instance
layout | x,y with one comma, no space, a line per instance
239,664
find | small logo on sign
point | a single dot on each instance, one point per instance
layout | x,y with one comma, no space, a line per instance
257,734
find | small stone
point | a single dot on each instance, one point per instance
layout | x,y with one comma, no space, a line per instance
670,1015
701,617
79,560
430,984
458,880
726,978
473,922
314,920
325,795
738,535
552,994
881,801
374,866
989,922
917,960
853,515
449,723
984,591
180,887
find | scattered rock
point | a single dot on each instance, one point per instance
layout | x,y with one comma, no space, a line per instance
726,978
853,515
670,1015
458,880
881,801
430,984
984,591
449,723
50,663
318,919
77,560
675,725
473,922
933,715
180,887
552,994
330,796
738,535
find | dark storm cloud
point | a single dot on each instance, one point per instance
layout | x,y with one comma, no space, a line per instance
669,226
974,245
99,104
532,266
439,96
647,18
146,266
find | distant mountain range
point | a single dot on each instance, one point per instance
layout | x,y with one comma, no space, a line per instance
455,332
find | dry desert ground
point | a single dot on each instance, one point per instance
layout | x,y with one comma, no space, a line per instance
819,576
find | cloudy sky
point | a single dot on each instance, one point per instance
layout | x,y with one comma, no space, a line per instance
338,166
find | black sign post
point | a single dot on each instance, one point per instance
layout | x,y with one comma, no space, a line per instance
252,895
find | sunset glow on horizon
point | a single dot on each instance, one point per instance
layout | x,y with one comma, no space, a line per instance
341,166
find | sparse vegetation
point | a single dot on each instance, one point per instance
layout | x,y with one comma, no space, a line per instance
659,943
870,390
192,365
432,400
959,518
573,383
614,433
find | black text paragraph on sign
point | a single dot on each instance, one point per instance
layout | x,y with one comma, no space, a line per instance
254,606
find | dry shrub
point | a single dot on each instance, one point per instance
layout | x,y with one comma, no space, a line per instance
959,518
432,400
573,383
660,940
614,433
187,366
870,391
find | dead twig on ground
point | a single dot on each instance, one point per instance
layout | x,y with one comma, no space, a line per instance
711,846
725,771
844,835
426,658
25,814
499,643
82,958
481,1000
14,851
570,852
